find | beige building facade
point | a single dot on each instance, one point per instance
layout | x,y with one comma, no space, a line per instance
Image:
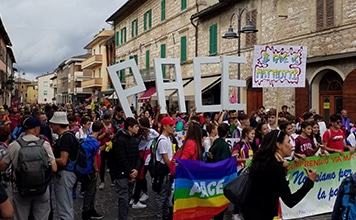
327,28
99,82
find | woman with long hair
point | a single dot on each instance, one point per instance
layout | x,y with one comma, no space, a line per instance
192,147
268,179
243,150
260,132
146,136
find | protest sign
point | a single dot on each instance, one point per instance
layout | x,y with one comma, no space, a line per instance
279,66
331,170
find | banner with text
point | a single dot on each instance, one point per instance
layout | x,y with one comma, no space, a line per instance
321,198
279,66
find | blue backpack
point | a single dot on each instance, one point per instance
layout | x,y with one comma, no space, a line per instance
85,157
349,199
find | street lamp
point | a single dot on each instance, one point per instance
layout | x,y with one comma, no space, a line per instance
230,34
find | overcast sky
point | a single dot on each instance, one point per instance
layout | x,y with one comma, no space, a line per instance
44,33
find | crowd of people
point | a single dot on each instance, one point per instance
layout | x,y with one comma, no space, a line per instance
125,147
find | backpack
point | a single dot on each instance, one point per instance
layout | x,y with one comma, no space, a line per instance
83,163
33,173
349,199
86,155
152,163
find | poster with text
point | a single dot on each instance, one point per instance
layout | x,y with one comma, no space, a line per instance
279,66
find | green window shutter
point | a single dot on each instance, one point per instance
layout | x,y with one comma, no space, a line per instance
124,34
121,36
122,73
133,28
163,55
131,57
136,27
149,18
144,21
117,38
183,49
213,38
136,59
147,59
183,4
163,10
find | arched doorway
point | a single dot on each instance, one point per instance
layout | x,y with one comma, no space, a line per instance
254,97
330,94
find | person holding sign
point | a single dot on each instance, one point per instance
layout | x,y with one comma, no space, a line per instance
268,179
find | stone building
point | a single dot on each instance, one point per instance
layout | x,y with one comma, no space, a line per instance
145,30
7,59
150,29
326,27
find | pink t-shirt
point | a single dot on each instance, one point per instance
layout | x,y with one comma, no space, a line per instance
334,139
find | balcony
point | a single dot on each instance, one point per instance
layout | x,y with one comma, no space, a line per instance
92,62
62,90
92,83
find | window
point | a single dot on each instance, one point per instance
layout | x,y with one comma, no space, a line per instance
44,92
123,35
163,55
45,84
117,43
147,20
134,28
163,10
213,39
135,57
183,4
122,73
251,38
99,72
183,49
147,59
324,14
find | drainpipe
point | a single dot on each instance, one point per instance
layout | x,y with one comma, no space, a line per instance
196,29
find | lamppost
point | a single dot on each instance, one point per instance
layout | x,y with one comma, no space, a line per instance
230,34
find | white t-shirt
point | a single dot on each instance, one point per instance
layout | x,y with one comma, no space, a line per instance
146,143
164,146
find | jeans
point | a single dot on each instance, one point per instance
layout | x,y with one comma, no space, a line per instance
63,186
89,181
124,191
162,198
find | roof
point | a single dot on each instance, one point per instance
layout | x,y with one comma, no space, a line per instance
209,10
102,35
4,35
11,54
126,9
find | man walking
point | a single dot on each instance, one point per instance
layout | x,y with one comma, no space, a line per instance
127,164
24,200
65,150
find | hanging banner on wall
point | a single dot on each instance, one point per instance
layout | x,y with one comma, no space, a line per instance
279,66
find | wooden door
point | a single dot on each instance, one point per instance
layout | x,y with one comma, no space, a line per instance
254,98
330,94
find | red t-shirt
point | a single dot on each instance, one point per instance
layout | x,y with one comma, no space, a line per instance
334,139
190,150
304,146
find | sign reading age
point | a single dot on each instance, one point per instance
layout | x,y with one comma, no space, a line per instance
279,66
177,85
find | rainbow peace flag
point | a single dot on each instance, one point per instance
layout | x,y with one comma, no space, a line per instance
198,188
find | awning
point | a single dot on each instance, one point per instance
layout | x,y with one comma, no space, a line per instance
168,93
91,97
206,83
146,96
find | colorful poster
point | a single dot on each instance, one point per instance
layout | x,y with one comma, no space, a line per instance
279,66
199,194
321,198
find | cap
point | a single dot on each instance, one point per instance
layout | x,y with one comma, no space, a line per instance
168,121
59,118
30,123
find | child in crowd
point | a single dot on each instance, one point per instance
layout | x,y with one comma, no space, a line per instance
317,138
304,146
261,131
243,150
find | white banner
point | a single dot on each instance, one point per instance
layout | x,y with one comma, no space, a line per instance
279,66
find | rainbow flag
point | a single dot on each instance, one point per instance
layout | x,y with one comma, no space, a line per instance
198,188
